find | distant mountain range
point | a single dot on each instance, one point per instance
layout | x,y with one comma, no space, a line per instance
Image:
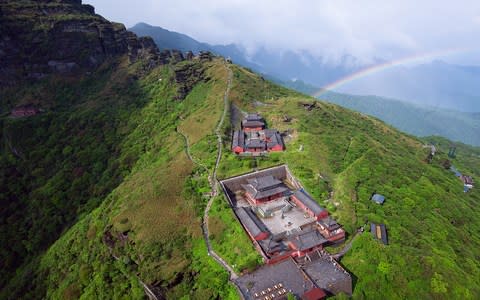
435,84
284,65
419,120
414,119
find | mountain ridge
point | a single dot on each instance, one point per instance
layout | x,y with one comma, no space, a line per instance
433,84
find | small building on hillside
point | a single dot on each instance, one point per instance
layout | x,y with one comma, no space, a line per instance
24,111
379,231
205,55
263,189
379,199
253,139
253,122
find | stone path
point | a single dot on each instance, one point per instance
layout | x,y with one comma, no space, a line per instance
213,179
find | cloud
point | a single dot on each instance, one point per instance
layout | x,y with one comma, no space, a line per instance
366,29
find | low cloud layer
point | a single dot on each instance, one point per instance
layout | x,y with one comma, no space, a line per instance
368,30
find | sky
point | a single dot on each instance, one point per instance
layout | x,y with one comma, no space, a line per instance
366,29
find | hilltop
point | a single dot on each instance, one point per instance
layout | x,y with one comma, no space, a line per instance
105,189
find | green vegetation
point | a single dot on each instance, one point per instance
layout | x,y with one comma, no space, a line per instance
414,119
229,238
98,191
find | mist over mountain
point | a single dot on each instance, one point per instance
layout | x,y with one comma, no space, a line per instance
436,84
284,65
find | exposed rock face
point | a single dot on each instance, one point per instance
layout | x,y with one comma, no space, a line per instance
186,76
61,36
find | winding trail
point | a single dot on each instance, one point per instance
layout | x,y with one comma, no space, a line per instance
212,179
213,182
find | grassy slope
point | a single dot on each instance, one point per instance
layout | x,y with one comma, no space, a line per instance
417,120
58,166
160,204
433,226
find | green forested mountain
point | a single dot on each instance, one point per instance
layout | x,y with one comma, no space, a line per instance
418,120
414,119
99,194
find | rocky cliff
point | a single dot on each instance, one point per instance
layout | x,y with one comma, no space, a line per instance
38,38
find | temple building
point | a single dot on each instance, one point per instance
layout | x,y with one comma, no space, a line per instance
289,229
331,230
254,139
253,122
302,199
263,189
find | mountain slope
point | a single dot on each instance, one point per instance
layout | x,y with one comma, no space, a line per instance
414,119
136,219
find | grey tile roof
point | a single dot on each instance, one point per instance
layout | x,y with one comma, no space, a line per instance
261,187
275,139
285,274
307,240
308,202
264,182
271,246
251,221
330,223
265,193
253,117
238,139
246,123
255,143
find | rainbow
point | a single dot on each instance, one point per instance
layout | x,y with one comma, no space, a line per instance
386,65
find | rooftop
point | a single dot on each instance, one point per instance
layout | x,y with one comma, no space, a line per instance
330,223
378,198
264,182
307,240
328,274
261,187
253,117
379,232
303,197
251,221
272,279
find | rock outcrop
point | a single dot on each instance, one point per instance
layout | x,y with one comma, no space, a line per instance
186,76
41,37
